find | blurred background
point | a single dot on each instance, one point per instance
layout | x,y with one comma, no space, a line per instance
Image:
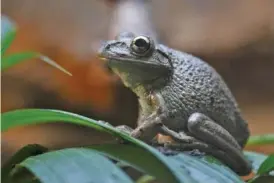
235,37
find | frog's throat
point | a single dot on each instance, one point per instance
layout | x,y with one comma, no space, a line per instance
146,106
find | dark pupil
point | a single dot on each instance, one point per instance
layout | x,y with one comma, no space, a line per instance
142,44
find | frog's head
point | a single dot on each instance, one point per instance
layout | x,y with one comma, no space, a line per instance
137,60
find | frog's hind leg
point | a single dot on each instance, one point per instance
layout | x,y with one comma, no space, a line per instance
210,132
209,137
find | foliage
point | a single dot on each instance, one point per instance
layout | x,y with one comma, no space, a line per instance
10,60
261,139
178,168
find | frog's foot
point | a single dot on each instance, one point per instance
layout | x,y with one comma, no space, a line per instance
150,126
208,136
104,122
148,129
185,142
124,128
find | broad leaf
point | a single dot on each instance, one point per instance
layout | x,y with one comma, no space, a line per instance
38,116
267,165
203,171
136,153
70,166
190,169
143,161
256,159
23,117
22,154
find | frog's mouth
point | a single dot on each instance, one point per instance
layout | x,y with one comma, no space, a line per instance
135,72
121,62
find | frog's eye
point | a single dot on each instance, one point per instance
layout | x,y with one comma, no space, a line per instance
141,45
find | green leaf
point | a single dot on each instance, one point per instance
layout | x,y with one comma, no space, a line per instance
256,159
188,168
38,116
261,139
267,165
72,165
171,169
13,59
203,171
145,179
263,179
7,40
23,117
181,163
144,161
23,153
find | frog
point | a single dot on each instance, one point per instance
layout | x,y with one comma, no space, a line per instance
180,96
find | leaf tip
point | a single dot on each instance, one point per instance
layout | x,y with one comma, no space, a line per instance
53,63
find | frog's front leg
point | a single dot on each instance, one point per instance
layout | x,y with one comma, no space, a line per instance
149,126
208,136
147,129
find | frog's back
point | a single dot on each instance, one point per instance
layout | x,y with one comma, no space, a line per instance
199,88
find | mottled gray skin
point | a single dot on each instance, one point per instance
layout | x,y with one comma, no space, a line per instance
183,97
197,87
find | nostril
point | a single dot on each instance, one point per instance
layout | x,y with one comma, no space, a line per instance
106,44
